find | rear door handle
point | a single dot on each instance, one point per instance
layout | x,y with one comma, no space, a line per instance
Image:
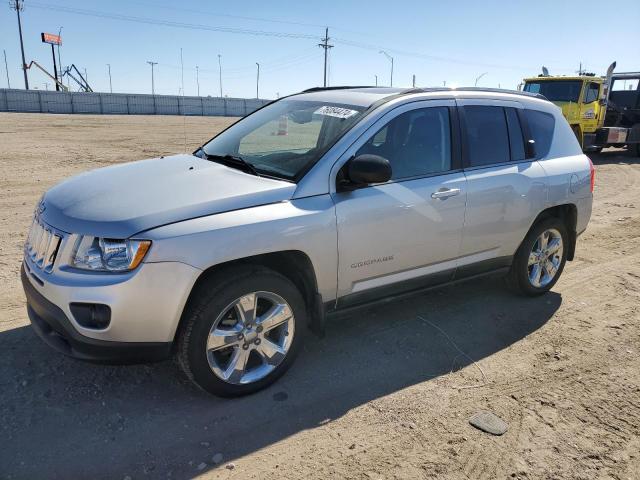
445,193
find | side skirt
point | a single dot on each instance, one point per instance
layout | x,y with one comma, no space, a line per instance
383,295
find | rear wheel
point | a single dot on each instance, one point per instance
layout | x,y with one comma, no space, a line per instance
539,261
242,331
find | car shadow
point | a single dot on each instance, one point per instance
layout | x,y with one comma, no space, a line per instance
614,156
61,418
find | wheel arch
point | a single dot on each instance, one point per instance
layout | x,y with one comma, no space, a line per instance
295,265
568,213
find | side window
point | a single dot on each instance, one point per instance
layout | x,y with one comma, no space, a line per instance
516,139
487,135
416,143
541,125
591,92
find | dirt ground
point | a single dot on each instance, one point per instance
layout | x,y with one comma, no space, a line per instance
387,393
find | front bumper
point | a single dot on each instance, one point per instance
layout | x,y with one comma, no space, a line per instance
56,330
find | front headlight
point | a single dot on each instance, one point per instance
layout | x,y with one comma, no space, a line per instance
108,254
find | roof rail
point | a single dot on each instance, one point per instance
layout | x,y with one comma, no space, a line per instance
342,87
500,90
410,91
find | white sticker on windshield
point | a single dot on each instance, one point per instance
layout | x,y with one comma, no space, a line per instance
338,112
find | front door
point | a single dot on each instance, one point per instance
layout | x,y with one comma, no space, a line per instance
406,232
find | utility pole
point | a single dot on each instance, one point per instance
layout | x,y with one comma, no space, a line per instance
390,58
414,80
326,46
110,87
6,68
258,81
153,87
220,70
198,80
376,80
60,61
444,83
479,77
18,6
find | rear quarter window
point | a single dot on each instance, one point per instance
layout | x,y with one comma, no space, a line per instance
541,125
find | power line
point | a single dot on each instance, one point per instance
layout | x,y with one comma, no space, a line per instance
169,23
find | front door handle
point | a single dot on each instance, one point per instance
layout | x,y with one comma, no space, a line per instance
445,193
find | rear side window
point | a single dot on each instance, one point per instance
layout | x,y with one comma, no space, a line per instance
541,125
516,139
487,135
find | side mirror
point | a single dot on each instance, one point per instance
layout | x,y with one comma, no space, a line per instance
365,170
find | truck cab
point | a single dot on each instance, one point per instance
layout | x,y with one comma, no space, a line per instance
602,111
580,99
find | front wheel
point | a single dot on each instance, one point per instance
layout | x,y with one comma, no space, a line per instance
242,331
539,261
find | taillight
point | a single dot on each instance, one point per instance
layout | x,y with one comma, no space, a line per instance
592,172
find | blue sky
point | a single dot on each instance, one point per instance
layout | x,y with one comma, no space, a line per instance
438,41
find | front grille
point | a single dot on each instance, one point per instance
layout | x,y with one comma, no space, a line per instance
42,245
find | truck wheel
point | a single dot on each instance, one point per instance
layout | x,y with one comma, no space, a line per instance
242,331
539,261
637,149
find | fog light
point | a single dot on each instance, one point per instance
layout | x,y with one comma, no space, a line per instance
91,315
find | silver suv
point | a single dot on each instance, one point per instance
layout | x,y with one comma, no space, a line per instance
323,200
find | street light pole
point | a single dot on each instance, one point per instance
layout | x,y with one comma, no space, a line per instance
390,58
198,80
6,68
258,81
153,89
479,77
110,87
220,70
18,6
60,61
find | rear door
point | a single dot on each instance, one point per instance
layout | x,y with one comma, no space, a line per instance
505,189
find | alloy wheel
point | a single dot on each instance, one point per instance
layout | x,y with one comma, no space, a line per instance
250,338
545,258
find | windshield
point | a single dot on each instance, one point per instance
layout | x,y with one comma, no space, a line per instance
284,138
556,90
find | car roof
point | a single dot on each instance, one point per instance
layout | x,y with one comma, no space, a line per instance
364,96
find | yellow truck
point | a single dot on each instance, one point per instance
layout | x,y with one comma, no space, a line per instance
602,111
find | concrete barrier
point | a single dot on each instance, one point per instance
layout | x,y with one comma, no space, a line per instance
39,101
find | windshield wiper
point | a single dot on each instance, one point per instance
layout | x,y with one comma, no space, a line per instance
232,161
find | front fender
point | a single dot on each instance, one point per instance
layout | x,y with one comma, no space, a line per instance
306,224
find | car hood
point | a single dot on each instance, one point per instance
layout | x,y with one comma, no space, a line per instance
122,200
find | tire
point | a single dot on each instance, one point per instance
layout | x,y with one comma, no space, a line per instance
637,149
202,350
521,273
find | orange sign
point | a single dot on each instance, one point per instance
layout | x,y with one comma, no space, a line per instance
51,38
